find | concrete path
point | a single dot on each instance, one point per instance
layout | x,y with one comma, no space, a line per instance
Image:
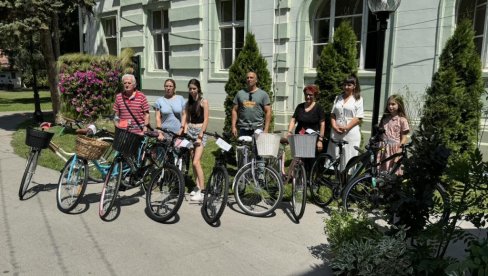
37,239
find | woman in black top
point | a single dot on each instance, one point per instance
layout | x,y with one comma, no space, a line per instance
194,122
308,114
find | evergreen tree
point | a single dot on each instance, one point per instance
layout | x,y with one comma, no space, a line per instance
249,59
450,120
337,61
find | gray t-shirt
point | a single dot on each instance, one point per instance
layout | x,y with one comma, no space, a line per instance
250,108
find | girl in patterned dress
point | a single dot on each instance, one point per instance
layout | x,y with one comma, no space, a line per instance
395,124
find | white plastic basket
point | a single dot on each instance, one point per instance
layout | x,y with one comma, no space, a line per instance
268,144
302,146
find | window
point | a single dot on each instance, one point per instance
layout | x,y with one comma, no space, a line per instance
231,24
330,14
160,34
475,10
110,30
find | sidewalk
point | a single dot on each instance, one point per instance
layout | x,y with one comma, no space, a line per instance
37,239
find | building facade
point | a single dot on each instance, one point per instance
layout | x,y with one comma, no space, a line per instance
184,39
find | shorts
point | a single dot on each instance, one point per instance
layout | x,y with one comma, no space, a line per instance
193,133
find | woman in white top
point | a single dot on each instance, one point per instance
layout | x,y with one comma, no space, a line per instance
346,116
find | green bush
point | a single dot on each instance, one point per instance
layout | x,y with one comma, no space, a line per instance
387,255
476,263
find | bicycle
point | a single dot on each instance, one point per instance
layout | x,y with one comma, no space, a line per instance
217,190
258,189
165,192
376,189
75,173
39,140
302,146
136,160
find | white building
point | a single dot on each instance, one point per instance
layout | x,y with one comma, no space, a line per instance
184,39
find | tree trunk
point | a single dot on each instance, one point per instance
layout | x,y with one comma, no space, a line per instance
48,53
55,28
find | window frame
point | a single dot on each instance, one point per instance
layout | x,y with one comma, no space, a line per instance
109,36
164,33
362,40
484,34
233,24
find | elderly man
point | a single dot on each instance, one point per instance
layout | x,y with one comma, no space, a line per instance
131,107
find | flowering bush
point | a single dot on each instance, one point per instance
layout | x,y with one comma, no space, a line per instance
88,84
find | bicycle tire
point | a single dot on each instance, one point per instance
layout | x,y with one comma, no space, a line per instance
29,171
165,193
216,195
322,177
70,190
104,161
299,191
258,198
361,194
110,188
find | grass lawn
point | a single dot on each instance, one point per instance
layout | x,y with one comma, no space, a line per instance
23,100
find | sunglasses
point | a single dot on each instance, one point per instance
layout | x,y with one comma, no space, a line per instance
250,97
308,95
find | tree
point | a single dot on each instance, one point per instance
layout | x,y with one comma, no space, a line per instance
23,20
249,59
448,129
337,61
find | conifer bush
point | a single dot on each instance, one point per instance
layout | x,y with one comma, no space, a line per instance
337,61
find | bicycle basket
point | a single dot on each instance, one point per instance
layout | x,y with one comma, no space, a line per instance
268,144
38,139
89,148
302,146
126,142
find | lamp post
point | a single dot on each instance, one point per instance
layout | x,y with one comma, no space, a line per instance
381,9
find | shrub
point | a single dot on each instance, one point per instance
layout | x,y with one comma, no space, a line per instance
88,84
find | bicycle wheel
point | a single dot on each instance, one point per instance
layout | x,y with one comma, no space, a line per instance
165,193
259,189
104,161
299,191
322,177
72,184
30,169
110,188
216,194
361,194
440,209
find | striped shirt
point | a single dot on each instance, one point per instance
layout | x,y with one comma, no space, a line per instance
138,106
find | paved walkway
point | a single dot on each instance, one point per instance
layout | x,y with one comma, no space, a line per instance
37,239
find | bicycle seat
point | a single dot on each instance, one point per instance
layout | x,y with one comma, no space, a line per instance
340,143
244,139
284,141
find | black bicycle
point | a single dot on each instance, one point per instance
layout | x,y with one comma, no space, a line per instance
216,192
374,190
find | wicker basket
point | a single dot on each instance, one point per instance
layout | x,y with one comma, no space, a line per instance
90,149
126,142
303,146
268,144
37,138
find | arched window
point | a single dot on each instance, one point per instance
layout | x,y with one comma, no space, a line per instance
329,15
475,10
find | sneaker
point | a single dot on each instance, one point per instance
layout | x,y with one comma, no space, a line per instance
197,197
195,190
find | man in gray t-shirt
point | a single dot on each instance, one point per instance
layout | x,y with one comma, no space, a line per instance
252,108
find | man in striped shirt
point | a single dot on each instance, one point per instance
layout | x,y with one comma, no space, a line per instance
136,102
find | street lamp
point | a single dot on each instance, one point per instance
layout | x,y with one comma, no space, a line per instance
382,10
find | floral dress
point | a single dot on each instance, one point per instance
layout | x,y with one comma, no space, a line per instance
394,128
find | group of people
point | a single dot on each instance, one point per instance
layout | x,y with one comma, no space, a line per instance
252,110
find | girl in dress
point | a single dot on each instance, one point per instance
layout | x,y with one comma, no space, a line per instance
395,124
